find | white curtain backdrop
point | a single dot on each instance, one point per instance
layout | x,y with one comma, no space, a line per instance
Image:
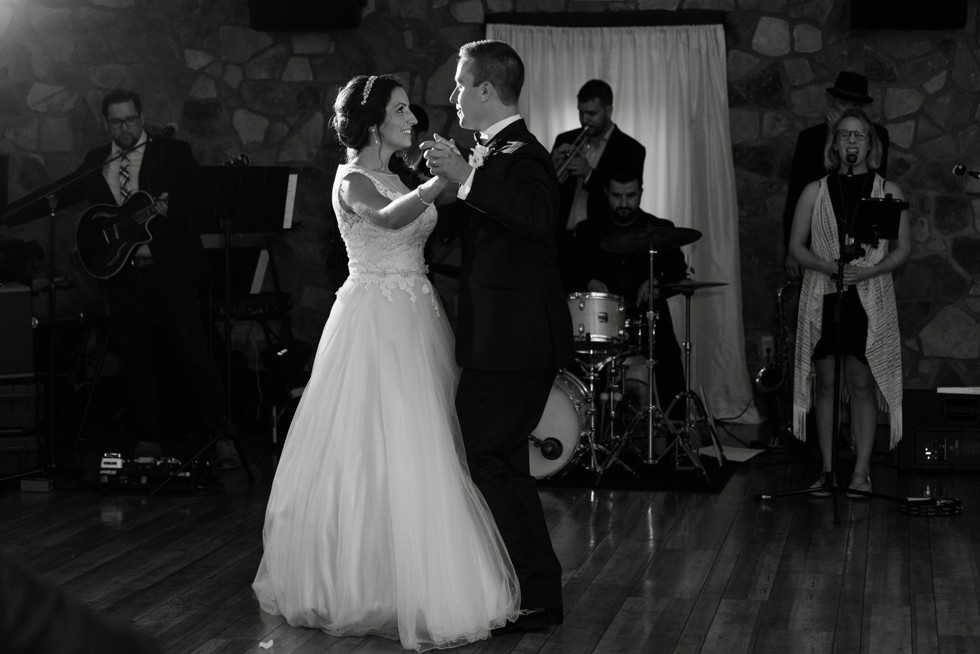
669,90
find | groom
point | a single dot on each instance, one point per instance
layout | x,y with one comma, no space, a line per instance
513,327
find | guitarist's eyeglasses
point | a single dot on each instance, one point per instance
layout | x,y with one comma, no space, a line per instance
116,123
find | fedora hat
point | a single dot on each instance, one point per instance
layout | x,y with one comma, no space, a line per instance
852,87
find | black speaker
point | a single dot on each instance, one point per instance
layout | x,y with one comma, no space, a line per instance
940,431
908,14
4,173
16,331
304,15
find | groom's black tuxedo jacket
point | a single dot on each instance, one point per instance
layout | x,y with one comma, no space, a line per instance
512,312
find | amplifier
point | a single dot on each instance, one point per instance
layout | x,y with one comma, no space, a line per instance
18,453
941,431
16,330
19,406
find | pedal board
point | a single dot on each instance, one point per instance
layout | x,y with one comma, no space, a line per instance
144,473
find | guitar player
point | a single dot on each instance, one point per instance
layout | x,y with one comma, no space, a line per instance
156,290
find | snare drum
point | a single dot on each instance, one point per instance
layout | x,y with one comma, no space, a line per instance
565,418
636,332
598,319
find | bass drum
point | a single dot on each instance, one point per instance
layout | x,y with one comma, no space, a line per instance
565,418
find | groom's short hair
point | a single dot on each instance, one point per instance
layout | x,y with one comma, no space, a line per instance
497,63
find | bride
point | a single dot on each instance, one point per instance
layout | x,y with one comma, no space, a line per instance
373,525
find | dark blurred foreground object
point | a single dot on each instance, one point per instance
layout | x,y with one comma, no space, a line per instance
37,617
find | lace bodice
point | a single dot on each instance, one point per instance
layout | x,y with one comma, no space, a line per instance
380,257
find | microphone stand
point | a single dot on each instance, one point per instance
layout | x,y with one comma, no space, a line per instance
830,484
48,466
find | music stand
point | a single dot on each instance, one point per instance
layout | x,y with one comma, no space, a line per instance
229,201
875,218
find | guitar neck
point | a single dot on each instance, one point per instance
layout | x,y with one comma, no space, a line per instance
142,216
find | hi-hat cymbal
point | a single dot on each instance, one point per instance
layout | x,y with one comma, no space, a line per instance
655,238
687,286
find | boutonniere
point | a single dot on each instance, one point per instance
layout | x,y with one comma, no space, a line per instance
510,147
478,155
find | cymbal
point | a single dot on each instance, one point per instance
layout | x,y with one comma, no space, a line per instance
647,238
687,286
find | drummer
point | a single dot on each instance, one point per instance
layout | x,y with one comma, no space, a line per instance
628,275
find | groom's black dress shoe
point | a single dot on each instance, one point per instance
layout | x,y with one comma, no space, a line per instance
533,620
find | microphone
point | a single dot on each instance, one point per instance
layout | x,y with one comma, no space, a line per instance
850,167
168,131
959,170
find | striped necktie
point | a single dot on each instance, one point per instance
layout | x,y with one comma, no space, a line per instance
124,188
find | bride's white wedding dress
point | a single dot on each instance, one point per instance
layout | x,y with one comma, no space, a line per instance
373,525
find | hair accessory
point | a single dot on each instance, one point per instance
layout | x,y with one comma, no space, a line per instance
367,89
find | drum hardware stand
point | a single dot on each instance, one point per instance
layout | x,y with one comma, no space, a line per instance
591,372
651,240
654,415
692,401
616,442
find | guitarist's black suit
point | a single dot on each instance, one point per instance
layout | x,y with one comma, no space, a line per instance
164,294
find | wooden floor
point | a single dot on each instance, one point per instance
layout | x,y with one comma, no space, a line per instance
643,571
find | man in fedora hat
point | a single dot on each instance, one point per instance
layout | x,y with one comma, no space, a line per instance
849,90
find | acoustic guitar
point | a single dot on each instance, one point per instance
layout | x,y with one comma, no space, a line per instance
107,234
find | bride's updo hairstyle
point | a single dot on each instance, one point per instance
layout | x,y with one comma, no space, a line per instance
361,105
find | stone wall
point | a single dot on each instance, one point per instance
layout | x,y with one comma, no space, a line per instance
233,89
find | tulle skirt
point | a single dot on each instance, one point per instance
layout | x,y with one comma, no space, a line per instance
373,525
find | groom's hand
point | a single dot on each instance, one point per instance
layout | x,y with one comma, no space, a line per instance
444,160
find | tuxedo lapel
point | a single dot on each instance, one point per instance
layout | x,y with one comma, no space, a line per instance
515,129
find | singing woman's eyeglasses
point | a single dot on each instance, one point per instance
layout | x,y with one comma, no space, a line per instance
848,133
116,123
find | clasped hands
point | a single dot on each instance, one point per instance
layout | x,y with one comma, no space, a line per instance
445,160
853,274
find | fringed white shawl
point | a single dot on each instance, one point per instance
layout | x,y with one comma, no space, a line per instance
877,295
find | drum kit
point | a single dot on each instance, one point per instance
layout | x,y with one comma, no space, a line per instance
592,421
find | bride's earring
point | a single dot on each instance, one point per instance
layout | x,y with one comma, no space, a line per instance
374,135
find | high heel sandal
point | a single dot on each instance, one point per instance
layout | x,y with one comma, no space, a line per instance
864,485
819,484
